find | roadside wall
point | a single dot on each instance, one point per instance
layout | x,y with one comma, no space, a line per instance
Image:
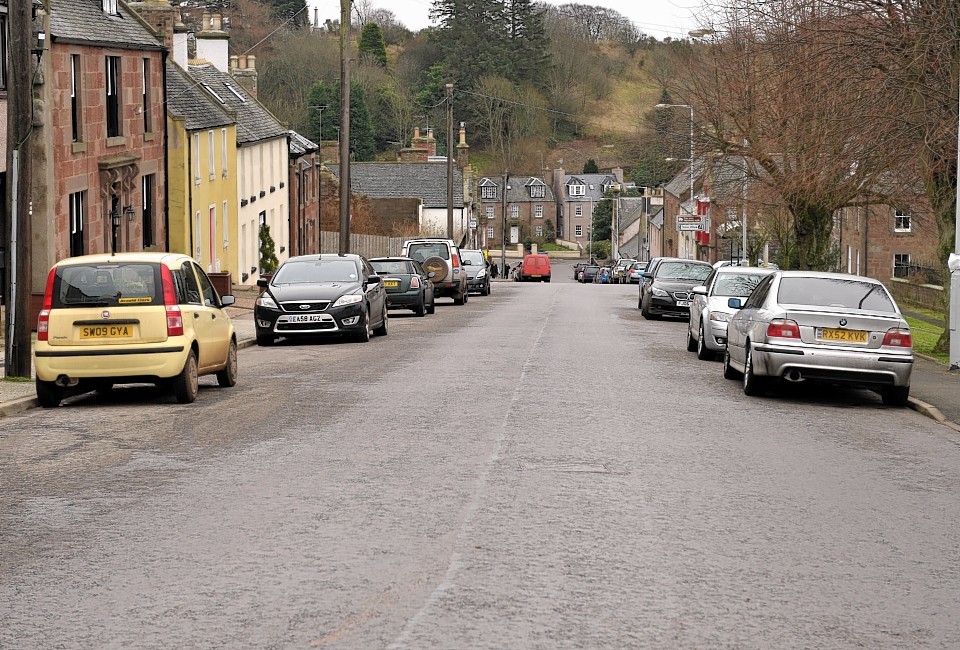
928,296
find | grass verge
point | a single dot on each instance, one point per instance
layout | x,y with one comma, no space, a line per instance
925,336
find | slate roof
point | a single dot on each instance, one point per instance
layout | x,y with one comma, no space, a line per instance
681,182
83,21
300,146
187,99
404,180
254,122
631,209
518,192
594,184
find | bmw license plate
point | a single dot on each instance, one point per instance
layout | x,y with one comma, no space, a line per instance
683,303
841,336
106,332
304,318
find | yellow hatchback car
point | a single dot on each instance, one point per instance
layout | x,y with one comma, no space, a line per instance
132,318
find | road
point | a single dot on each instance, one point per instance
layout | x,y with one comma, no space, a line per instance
537,468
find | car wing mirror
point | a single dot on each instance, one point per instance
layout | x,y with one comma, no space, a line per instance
226,301
261,282
648,276
700,291
735,303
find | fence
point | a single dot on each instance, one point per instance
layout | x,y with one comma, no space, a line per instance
366,245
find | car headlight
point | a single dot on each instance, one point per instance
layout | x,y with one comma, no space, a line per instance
660,293
482,274
266,301
721,316
349,299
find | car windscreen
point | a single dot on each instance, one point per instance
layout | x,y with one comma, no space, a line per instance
737,285
683,271
309,271
834,292
423,252
474,257
108,285
395,266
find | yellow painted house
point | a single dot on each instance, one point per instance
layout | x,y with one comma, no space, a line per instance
202,174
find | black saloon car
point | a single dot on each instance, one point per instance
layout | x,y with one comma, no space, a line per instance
408,286
668,287
322,294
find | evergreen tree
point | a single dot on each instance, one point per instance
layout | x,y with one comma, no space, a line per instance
472,35
268,255
294,11
602,220
371,42
590,167
326,126
529,45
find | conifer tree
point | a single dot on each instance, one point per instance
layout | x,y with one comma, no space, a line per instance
268,255
371,42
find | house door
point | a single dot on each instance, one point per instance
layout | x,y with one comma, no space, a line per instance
514,234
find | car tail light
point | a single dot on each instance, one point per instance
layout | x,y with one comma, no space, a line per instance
456,260
898,338
415,282
43,322
782,328
174,316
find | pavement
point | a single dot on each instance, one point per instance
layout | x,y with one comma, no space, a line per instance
934,391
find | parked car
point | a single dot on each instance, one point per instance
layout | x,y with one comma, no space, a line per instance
651,268
407,284
603,276
322,294
709,311
620,269
669,291
535,268
803,326
442,258
131,318
635,271
589,273
478,271
577,268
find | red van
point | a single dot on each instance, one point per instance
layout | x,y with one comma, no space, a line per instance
535,268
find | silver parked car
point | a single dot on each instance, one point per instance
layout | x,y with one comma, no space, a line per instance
709,311
829,327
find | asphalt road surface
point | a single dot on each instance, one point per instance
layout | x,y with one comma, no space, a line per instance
539,468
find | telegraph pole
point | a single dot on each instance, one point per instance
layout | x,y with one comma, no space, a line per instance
503,223
17,361
344,126
449,161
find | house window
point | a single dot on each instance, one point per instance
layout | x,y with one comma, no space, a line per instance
110,7
145,106
3,49
488,192
223,152
489,232
196,158
579,211
113,95
514,211
147,208
539,230
901,265
75,107
902,222
537,191
538,212
489,212
579,230
578,190
76,223
211,156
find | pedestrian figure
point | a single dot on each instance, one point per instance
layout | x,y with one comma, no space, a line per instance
493,270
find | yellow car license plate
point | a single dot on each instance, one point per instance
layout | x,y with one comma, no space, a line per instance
844,336
391,284
106,331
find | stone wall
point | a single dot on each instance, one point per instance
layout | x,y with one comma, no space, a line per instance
928,296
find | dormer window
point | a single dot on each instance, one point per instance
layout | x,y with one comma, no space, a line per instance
110,7
578,190
488,192
538,191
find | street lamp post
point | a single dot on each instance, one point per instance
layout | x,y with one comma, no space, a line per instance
953,264
690,108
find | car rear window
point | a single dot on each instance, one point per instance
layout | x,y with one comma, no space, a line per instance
423,252
309,271
683,271
396,266
737,285
108,285
834,292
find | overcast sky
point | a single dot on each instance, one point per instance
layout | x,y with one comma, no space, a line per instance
660,18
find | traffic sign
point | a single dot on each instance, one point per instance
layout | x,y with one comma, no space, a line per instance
691,226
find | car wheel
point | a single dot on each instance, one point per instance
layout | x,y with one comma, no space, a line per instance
264,340
49,394
691,343
421,308
895,395
228,376
460,299
487,292
382,330
752,385
703,352
728,371
364,335
186,385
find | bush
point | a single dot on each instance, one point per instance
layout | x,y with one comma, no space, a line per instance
268,255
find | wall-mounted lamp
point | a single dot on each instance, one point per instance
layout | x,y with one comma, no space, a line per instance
115,218
129,212
253,269
283,248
